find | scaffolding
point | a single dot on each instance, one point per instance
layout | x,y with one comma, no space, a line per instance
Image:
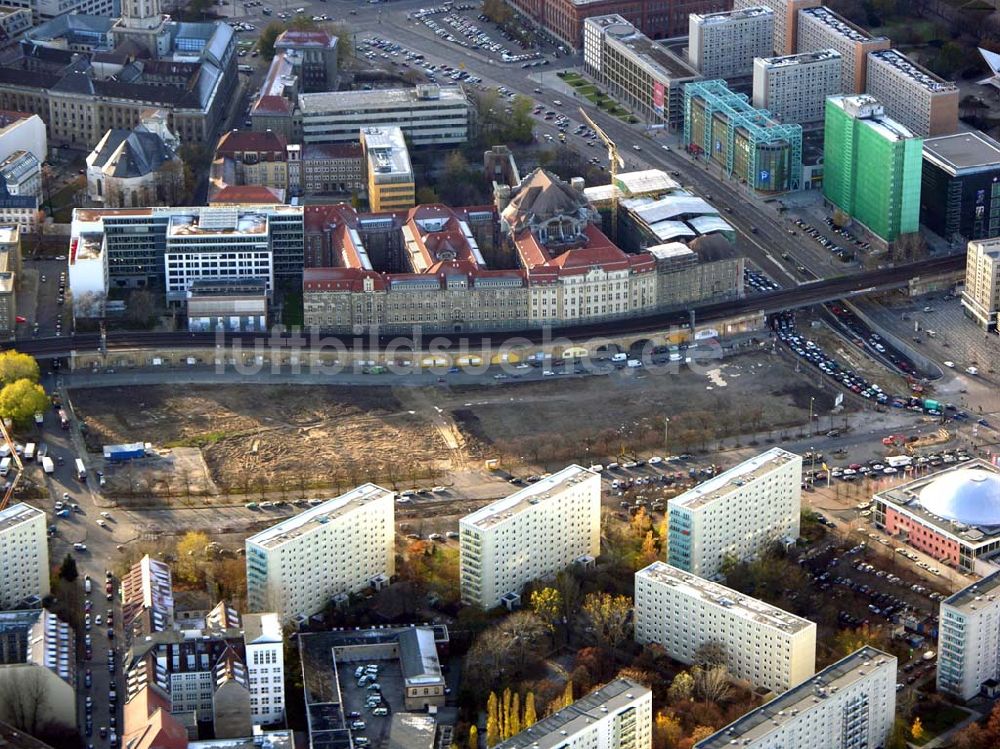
756,125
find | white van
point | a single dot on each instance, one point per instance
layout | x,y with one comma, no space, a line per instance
634,363
619,357
4,466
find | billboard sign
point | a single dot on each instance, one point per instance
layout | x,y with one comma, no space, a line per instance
658,96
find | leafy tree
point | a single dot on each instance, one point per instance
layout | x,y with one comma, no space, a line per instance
681,688
270,34
492,720
647,554
67,570
700,733
16,366
847,641
567,695
426,195
190,557
473,742
505,721
667,730
710,653
345,41
546,603
140,309
609,616
514,719
917,729
21,400
530,717
497,11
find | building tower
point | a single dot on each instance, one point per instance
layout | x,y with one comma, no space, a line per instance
142,23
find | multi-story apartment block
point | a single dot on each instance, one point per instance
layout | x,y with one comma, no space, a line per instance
331,168
981,295
257,158
871,166
681,612
794,88
24,552
618,715
820,28
786,20
848,705
264,644
737,513
724,45
531,534
643,74
147,593
136,241
391,185
21,174
912,95
342,546
969,638
960,186
38,657
657,19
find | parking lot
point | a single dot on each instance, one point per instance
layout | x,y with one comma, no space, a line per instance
370,724
460,26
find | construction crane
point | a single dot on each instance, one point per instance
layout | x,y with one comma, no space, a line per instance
17,462
616,161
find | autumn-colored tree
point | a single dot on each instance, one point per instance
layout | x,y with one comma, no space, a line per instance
492,720
609,616
547,605
641,522
21,400
667,730
505,715
530,717
16,366
191,557
647,554
917,729
700,733
847,641
514,720
567,696
681,688
473,741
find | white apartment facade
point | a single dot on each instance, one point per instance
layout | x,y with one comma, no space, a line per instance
969,638
24,555
981,295
785,20
764,645
737,513
265,659
913,96
724,45
337,548
531,534
619,715
848,705
820,28
794,88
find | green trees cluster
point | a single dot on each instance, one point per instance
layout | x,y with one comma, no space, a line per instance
21,397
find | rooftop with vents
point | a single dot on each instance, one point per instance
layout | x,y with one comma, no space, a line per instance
732,480
529,496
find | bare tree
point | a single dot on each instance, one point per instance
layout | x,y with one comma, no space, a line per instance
711,683
710,653
24,698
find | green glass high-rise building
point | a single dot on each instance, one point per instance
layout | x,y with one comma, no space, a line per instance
871,166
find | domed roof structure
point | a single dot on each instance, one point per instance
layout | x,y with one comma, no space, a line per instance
967,495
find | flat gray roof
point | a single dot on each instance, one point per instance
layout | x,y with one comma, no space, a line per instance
532,494
965,599
386,98
963,153
17,514
787,706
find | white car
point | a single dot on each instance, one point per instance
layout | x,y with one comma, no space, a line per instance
950,364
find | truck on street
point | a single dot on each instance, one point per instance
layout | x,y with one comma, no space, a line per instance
47,465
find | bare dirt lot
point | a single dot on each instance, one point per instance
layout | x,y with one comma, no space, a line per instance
242,439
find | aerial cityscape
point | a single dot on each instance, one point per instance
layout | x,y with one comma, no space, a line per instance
515,374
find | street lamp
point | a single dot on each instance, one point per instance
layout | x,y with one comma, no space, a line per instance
811,401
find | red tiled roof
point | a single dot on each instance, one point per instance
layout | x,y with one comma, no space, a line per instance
272,105
304,38
241,141
339,279
236,194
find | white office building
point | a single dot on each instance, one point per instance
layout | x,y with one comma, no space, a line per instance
724,45
427,115
737,513
969,639
766,646
794,88
264,641
532,534
327,552
24,553
217,244
619,715
849,705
